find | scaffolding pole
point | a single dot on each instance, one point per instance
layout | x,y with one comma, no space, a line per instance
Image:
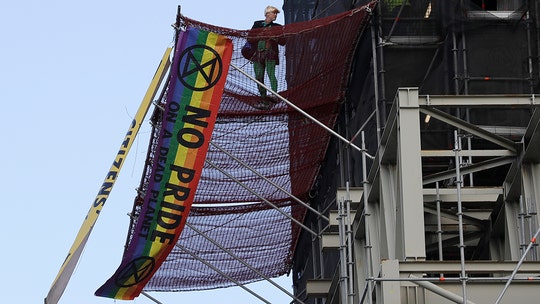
531,243
150,297
343,278
350,257
463,276
439,226
221,273
442,292
262,198
292,105
368,263
265,277
269,181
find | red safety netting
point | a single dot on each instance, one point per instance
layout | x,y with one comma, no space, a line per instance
238,230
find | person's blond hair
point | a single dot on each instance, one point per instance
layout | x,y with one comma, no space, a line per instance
271,9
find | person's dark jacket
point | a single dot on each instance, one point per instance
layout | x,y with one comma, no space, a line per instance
270,50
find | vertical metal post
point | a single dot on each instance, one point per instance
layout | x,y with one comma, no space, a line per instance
455,57
317,248
469,147
375,80
316,252
411,228
439,224
463,277
535,6
521,217
531,214
369,270
342,254
528,23
350,260
464,56
534,223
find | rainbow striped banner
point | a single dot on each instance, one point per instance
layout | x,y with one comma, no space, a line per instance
198,75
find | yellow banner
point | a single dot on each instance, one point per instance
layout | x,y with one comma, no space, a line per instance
67,268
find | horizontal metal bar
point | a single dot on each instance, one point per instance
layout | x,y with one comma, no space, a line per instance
466,153
471,267
476,100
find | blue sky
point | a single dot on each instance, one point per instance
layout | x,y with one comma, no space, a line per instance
72,75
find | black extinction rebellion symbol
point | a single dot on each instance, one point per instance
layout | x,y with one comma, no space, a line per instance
209,67
135,271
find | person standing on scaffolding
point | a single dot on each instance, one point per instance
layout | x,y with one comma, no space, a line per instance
267,55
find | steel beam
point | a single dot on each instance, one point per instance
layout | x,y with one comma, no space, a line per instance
499,267
488,164
467,153
409,182
477,100
470,128
467,194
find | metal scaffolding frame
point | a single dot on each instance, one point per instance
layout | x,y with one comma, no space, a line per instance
401,204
